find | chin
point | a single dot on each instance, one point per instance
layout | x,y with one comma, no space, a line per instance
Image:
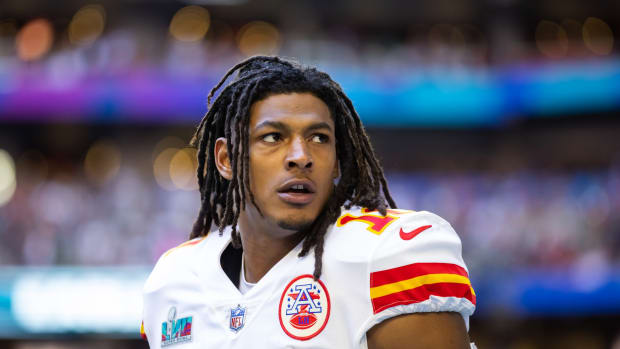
295,224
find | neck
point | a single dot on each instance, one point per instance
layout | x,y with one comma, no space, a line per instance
263,247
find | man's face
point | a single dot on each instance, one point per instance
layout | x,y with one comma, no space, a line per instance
293,163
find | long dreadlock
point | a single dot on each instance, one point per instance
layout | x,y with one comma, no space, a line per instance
362,182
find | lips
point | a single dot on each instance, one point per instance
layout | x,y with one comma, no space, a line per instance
297,191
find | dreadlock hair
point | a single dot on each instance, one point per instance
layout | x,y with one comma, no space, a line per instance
362,182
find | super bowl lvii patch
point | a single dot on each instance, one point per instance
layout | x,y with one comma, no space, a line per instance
175,331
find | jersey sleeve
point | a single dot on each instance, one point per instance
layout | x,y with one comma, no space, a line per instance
417,267
151,302
168,276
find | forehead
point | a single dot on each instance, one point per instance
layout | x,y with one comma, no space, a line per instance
293,109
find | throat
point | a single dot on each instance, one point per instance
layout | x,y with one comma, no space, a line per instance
265,242
260,257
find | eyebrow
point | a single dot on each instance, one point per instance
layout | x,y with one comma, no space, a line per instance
318,126
284,127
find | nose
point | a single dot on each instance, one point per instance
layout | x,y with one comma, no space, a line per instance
298,155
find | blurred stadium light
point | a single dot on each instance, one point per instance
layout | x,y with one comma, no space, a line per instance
44,301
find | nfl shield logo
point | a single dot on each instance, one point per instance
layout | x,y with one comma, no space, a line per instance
237,318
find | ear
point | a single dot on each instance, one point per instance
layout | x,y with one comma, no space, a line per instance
222,161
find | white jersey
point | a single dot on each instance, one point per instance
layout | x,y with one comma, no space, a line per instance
374,267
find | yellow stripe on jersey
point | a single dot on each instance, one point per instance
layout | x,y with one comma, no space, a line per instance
418,281
142,332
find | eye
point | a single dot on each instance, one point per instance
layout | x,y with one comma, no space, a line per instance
320,138
271,137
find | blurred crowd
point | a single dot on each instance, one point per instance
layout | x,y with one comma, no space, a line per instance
526,218
195,41
521,219
90,175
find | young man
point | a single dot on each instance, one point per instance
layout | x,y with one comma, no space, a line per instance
308,253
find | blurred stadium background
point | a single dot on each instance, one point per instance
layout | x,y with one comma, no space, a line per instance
499,115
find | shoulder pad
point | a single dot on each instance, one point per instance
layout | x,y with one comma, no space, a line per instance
418,261
372,221
191,242
169,264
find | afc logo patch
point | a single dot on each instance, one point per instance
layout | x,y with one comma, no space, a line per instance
304,308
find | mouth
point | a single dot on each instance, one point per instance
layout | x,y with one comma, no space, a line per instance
297,192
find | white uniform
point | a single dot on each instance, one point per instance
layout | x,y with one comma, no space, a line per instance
374,267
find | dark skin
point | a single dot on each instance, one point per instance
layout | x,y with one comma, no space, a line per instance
292,138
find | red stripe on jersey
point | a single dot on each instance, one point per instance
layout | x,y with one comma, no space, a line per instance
412,270
422,293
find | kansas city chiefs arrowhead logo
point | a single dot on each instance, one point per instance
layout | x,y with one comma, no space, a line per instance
304,307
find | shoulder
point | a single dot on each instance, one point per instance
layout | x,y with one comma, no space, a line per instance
173,262
183,249
375,236
413,261
420,268
417,237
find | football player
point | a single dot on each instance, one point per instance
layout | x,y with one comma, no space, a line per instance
310,249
